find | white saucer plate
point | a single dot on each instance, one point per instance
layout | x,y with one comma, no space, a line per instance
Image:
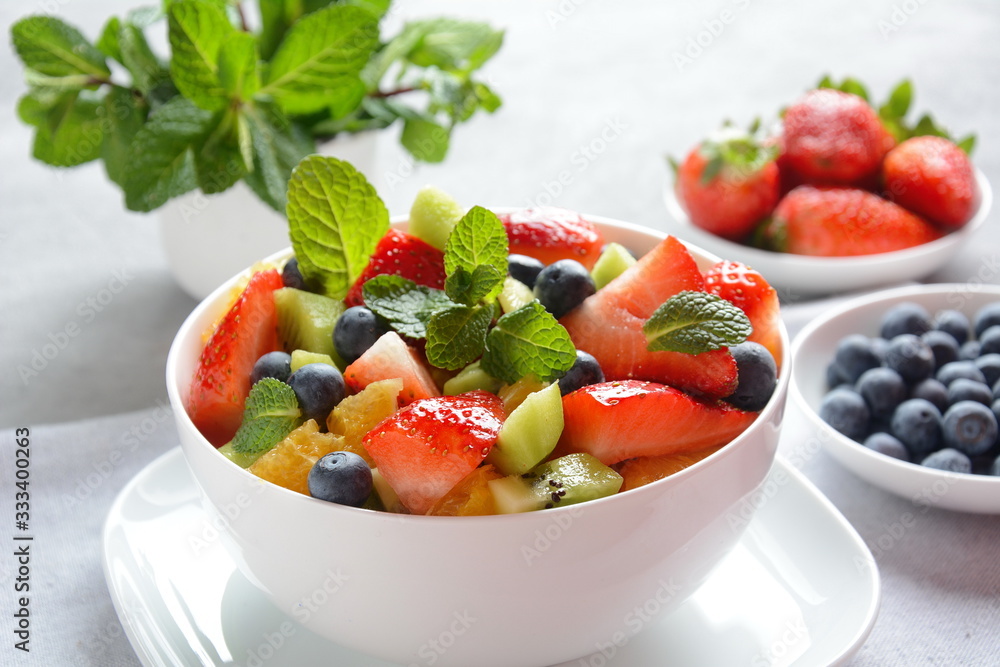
800,589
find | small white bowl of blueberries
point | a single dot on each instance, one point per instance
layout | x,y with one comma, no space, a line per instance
902,387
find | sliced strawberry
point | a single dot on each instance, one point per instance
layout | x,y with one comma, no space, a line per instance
609,324
388,358
615,421
401,254
742,286
428,447
549,234
221,382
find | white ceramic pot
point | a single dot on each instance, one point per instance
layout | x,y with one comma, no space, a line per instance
210,238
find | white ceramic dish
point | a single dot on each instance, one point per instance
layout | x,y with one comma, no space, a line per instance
799,275
555,580
791,593
814,348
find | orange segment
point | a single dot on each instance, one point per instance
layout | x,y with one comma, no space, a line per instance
470,497
645,469
288,463
356,415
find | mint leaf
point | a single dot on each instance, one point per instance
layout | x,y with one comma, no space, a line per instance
72,132
146,69
451,44
321,57
238,72
528,340
277,145
197,31
34,107
123,118
425,139
107,43
161,164
456,335
694,322
407,306
218,159
54,49
335,220
483,284
478,239
271,412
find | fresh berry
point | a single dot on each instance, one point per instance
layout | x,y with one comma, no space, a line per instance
943,346
950,460
995,467
747,289
401,254
989,365
221,381
609,325
989,341
427,447
846,412
986,317
885,443
905,318
955,323
291,275
880,346
615,421
841,222
931,390
319,387
959,369
964,389
288,463
277,365
356,330
934,178
969,427
969,350
883,390
911,357
854,356
585,370
728,184
833,137
757,376
917,424
341,477
550,234
524,269
563,285
390,357
836,376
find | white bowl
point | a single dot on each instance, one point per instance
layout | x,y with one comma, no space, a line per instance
530,589
814,348
802,275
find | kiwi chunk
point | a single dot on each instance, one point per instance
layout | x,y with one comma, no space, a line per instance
567,480
302,357
530,432
306,321
514,295
471,378
240,459
611,264
433,215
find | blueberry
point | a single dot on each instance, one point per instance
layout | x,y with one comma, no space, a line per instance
911,357
584,371
959,369
964,389
888,444
563,285
943,346
933,391
341,477
883,390
989,342
854,355
277,365
955,323
524,268
969,350
291,276
880,346
951,460
757,375
986,317
989,365
835,375
319,387
995,407
995,468
356,330
917,424
905,318
996,390
969,427
845,411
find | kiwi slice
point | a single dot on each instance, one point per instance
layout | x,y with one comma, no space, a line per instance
567,480
611,264
514,295
242,460
471,378
433,215
306,321
529,433
302,357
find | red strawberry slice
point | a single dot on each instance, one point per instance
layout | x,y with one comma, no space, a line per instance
428,447
549,234
391,357
221,382
742,286
401,254
609,324
616,421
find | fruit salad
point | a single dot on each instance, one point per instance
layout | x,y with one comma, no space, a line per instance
838,177
477,363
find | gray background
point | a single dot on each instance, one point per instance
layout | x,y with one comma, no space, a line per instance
568,70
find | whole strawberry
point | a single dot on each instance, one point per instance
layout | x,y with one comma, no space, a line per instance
834,137
836,222
932,177
728,184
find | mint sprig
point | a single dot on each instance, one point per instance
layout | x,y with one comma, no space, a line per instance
405,305
456,335
271,412
693,322
528,340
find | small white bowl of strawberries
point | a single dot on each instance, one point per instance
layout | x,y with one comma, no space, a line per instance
841,195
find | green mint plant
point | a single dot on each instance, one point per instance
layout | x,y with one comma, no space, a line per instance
231,102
